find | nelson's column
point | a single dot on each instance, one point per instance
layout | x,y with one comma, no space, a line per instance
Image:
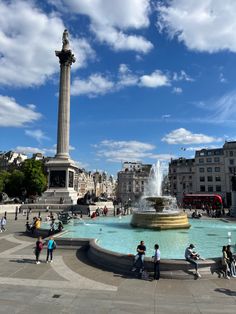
61,169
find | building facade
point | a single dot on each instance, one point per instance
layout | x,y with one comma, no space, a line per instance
131,181
210,171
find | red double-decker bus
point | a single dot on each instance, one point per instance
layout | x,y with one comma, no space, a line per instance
198,200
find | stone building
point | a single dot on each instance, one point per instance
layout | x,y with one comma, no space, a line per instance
210,171
131,181
11,159
97,183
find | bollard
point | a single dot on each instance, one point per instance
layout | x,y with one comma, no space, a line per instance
5,215
27,215
16,212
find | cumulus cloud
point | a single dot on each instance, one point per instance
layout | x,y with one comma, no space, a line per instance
112,20
119,151
13,114
36,134
28,39
203,25
183,136
155,79
96,84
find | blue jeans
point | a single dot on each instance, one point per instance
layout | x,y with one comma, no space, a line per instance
141,257
193,262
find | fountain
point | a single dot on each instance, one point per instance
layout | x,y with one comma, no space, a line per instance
157,211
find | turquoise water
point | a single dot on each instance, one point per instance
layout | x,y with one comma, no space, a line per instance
117,235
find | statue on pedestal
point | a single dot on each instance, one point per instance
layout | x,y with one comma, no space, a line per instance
65,40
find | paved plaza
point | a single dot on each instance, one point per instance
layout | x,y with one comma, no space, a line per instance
71,284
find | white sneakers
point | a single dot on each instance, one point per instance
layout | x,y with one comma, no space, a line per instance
38,262
198,274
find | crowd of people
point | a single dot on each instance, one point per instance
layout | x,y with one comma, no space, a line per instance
227,266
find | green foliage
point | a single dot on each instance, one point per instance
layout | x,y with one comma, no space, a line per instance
15,183
4,177
35,180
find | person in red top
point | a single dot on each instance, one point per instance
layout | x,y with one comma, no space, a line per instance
38,249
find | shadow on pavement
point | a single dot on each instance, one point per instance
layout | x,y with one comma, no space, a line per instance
226,291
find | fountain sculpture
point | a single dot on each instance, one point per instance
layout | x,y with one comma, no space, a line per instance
157,211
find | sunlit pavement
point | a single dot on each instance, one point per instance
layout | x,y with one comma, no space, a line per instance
71,284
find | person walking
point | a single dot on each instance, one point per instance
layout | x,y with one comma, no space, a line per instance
38,249
50,248
156,257
192,258
3,224
141,250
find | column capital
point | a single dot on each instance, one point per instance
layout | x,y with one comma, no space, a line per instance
66,57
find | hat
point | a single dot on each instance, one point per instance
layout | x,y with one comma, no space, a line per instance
191,246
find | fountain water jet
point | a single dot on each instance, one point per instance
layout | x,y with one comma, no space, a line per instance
157,211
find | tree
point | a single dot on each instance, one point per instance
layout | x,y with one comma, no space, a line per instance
35,179
4,177
15,183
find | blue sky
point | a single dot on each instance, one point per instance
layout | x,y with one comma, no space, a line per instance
151,78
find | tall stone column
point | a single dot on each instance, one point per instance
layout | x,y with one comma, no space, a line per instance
66,59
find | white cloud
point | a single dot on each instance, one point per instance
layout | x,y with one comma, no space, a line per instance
36,134
28,150
222,79
111,20
14,115
183,136
165,116
203,25
182,76
28,39
95,85
118,151
99,84
177,90
156,79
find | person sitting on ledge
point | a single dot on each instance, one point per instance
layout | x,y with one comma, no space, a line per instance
141,249
192,258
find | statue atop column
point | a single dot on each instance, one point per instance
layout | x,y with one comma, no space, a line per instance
65,40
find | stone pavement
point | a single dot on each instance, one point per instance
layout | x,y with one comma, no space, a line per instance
71,284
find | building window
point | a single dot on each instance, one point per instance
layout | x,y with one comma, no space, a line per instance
209,169
201,169
209,179
174,170
231,153
202,179
217,169
202,188
174,186
231,161
210,188
201,160
218,188
209,153
190,177
184,186
209,159
217,159
218,178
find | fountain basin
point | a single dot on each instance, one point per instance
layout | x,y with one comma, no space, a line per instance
160,221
